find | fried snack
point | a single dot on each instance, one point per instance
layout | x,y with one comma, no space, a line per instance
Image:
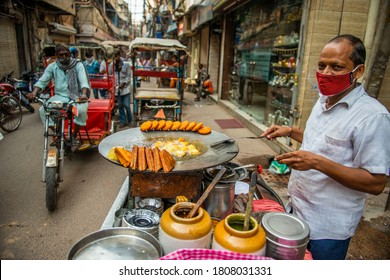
156,159
175,125
124,156
149,159
168,125
204,130
111,154
183,125
190,126
146,126
134,159
197,127
154,125
167,161
161,125
141,159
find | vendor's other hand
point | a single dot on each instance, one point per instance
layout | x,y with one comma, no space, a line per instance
299,160
276,131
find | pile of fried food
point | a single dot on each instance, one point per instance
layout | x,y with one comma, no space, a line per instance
142,158
163,125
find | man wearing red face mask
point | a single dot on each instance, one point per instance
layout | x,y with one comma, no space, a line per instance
345,152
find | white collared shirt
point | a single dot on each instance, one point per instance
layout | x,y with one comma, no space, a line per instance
355,132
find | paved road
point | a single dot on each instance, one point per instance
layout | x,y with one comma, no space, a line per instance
27,230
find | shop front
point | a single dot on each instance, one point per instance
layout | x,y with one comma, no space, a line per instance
262,64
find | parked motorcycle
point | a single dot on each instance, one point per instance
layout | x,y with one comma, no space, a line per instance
32,78
18,89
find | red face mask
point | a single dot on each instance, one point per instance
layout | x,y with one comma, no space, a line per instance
331,85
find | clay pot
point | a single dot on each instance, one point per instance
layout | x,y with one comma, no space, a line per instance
230,236
176,231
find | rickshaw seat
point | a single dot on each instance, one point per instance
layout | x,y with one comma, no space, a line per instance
100,105
101,82
153,73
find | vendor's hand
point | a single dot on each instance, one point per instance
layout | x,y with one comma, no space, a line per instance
275,131
299,160
122,85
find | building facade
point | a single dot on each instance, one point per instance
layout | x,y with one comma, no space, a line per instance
26,26
262,55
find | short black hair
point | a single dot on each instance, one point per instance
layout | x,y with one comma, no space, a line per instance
88,54
358,55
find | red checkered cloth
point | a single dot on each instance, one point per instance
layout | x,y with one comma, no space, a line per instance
267,205
209,254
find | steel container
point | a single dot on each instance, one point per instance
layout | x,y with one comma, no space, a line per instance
219,202
117,244
142,219
287,236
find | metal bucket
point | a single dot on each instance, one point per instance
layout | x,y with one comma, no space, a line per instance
287,236
142,219
219,202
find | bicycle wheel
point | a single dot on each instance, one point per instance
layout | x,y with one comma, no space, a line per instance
11,114
51,188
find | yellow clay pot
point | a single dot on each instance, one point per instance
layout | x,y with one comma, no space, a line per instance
176,231
229,235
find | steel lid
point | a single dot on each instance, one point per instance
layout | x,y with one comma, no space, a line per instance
286,229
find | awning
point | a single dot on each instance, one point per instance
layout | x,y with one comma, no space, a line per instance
62,29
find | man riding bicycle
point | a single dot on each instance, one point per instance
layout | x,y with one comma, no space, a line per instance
71,83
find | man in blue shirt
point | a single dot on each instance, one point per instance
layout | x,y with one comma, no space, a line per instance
92,67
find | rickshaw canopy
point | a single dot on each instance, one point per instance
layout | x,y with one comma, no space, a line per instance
149,44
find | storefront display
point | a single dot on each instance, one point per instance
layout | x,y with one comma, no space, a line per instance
265,54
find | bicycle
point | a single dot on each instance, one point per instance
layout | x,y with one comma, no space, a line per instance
10,113
63,141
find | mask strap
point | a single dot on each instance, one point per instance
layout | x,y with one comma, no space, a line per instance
354,69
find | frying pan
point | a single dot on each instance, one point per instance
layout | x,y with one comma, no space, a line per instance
210,156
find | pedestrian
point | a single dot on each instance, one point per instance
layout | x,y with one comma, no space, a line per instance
345,151
92,67
207,87
123,82
74,52
106,65
199,73
70,83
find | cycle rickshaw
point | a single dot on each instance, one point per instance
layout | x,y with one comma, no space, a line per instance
150,99
98,125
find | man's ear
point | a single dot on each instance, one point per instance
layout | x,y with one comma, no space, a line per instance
359,72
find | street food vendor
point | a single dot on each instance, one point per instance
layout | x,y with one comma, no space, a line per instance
345,152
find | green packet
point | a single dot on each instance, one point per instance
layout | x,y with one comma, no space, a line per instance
279,168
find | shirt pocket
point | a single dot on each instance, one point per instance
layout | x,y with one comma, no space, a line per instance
338,149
